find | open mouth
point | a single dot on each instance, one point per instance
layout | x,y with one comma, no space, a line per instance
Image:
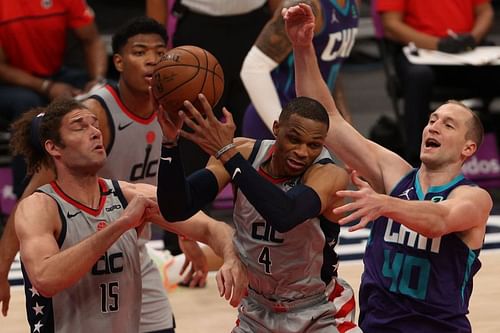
432,143
295,164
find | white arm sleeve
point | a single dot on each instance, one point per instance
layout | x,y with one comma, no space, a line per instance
256,76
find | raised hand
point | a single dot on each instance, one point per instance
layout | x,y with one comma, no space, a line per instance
170,124
367,204
209,133
299,24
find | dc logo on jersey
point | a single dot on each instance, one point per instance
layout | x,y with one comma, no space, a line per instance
145,169
46,3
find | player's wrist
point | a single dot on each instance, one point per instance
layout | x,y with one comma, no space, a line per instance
170,142
224,150
46,86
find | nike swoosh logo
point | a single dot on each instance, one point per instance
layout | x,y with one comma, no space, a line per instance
168,159
68,215
236,172
122,127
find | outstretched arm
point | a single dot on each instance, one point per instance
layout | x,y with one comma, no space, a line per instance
465,209
377,164
231,278
283,210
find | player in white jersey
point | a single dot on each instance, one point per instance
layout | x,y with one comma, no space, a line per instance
132,139
285,230
78,245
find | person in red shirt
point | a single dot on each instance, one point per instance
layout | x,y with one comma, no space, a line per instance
448,26
32,46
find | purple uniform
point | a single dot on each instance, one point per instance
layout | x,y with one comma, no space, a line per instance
412,283
333,45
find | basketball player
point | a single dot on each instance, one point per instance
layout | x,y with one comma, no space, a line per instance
283,216
267,71
132,140
78,245
429,223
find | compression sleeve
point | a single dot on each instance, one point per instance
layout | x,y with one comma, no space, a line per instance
283,210
179,197
256,77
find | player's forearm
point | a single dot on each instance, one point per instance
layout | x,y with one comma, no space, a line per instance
309,82
64,269
220,239
425,217
180,198
9,246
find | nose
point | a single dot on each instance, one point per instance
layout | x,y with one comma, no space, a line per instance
152,58
302,151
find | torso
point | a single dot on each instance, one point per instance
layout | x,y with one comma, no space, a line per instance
105,299
429,279
286,266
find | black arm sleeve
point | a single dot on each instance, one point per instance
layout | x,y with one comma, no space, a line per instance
180,198
283,210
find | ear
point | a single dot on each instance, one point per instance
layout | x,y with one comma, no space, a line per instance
118,61
469,149
52,149
276,128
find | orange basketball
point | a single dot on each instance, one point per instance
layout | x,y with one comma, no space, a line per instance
182,74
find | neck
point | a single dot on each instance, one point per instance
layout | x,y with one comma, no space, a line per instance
136,102
436,177
82,188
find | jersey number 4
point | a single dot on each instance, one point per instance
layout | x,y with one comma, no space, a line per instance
265,259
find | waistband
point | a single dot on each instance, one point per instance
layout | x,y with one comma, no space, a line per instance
287,305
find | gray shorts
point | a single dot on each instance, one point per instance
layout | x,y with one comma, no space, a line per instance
329,312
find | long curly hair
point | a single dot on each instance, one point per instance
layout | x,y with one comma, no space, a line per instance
35,127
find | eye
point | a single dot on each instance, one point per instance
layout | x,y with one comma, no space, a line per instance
138,53
315,146
449,126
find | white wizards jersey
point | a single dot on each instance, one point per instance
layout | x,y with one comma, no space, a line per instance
107,298
289,265
133,155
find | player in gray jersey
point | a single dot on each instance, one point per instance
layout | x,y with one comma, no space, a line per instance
132,139
285,229
78,234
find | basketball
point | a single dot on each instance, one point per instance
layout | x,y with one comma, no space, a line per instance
182,74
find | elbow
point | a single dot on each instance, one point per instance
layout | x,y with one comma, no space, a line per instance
174,215
45,286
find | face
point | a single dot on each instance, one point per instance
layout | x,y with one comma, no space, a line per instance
82,147
299,142
444,138
137,60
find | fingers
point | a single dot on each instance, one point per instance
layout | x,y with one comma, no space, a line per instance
220,283
184,265
5,307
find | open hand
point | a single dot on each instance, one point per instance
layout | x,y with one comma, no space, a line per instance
196,262
209,133
367,204
232,281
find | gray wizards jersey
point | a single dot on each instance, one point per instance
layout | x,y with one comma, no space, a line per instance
284,266
133,155
135,146
106,299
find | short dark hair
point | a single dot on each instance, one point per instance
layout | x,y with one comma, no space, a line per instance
305,107
136,26
36,126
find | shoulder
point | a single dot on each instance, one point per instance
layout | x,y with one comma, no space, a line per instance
37,209
477,196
